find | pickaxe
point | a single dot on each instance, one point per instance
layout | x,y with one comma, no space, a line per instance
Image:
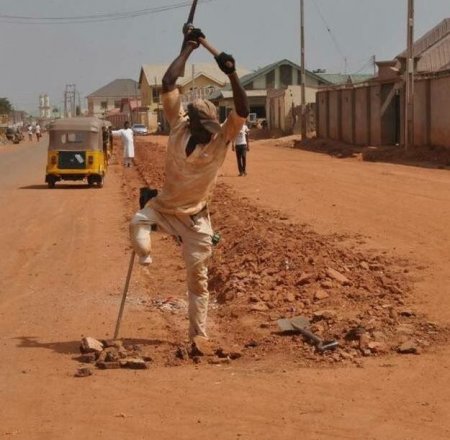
190,24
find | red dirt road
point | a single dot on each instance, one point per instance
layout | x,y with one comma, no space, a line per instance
64,254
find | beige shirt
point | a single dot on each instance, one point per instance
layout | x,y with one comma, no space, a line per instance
190,179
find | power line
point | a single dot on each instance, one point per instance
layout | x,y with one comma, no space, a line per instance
327,26
94,18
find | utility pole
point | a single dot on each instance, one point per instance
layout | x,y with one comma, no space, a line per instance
303,74
409,80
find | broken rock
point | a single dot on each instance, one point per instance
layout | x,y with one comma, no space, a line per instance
326,284
136,364
83,372
89,345
378,347
324,314
219,361
364,265
321,294
87,358
305,278
409,347
335,275
259,307
108,365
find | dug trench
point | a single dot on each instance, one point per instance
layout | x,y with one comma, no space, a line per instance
266,268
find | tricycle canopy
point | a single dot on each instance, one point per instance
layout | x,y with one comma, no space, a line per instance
83,133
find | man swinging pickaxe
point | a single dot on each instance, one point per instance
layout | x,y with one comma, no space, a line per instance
196,149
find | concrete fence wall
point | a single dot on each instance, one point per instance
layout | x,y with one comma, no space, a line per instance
372,114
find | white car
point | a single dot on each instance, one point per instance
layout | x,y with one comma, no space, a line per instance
139,129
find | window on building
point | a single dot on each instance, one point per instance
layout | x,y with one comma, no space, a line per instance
104,105
285,75
270,80
117,104
155,94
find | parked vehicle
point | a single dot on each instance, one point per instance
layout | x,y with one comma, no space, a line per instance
79,149
139,130
14,134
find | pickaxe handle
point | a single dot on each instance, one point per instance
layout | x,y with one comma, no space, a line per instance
211,49
205,43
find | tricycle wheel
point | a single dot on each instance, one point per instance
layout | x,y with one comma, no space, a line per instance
51,182
90,180
100,180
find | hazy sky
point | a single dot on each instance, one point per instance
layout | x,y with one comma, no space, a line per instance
37,58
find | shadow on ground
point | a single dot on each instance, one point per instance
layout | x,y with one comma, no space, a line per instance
73,347
57,186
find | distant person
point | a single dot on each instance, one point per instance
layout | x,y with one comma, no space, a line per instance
30,132
126,134
37,130
241,145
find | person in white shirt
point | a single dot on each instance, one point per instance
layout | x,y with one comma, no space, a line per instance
241,145
30,132
126,134
37,130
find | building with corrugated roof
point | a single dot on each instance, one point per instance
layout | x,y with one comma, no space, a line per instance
372,112
110,96
274,93
432,50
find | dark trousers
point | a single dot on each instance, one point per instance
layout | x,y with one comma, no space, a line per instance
241,156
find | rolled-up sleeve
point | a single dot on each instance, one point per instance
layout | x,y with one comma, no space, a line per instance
172,106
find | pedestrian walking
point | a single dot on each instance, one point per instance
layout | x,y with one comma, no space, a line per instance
30,132
241,144
37,130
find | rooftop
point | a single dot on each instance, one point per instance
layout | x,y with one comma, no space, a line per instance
433,48
345,78
155,72
119,88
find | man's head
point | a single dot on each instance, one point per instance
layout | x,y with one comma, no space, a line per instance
203,121
126,125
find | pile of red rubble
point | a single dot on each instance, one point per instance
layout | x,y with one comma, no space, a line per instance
271,268
110,354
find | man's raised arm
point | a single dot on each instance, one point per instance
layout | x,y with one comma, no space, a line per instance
228,66
176,69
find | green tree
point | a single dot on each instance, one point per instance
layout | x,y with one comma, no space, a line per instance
5,106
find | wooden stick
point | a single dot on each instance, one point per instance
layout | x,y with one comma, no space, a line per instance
124,295
208,47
